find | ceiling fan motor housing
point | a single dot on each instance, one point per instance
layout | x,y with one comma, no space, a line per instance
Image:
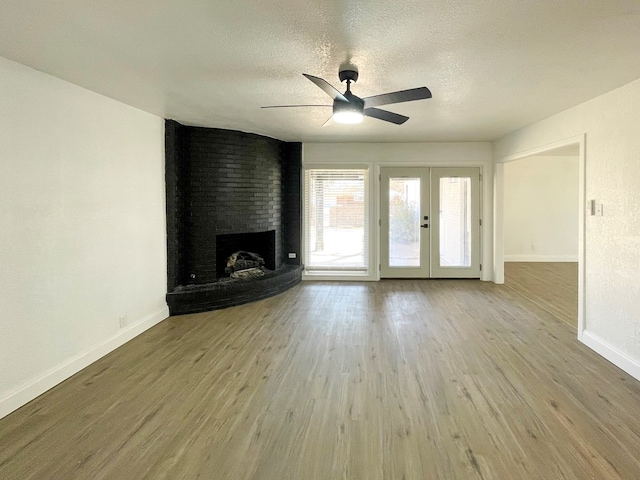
352,110
348,112
355,104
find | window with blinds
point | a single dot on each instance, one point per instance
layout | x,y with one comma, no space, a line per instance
336,220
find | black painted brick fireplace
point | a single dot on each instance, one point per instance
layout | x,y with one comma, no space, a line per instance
221,183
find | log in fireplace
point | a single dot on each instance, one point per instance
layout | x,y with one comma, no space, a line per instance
262,243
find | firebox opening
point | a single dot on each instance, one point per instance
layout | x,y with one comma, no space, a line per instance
262,243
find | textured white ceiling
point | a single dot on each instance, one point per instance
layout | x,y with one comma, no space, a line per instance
493,65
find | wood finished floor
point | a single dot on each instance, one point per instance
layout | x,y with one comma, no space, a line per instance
398,379
552,285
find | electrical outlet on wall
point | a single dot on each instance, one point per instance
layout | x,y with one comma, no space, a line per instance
122,321
293,255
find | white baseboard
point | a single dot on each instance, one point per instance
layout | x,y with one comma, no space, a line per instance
611,353
27,392
339,276
541,258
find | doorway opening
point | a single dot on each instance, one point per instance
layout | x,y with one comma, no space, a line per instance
539,224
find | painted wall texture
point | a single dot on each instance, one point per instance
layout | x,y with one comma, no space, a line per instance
612,241
82,229
541,209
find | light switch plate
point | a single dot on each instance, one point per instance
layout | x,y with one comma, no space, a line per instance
598,209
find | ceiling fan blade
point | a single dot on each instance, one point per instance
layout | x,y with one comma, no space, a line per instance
385,115
293,106
420,93
328,122
327,87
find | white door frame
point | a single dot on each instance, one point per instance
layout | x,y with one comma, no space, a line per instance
485,242
498,215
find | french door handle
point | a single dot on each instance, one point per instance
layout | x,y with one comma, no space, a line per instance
425,225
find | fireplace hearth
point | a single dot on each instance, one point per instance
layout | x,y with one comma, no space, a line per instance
230,292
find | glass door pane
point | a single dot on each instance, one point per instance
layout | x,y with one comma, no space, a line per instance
404,222
455,221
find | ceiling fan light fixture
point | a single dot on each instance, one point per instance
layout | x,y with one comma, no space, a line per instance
348,117
347,112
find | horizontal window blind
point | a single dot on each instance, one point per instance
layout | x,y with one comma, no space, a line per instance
336,220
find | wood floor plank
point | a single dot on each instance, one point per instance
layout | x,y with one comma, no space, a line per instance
398,379
552,285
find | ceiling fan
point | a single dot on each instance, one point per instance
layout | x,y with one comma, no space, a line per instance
348,108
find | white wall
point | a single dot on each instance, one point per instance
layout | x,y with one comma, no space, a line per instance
82,229
541,209
612,241
376,155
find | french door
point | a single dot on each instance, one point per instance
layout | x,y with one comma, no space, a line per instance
430,222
